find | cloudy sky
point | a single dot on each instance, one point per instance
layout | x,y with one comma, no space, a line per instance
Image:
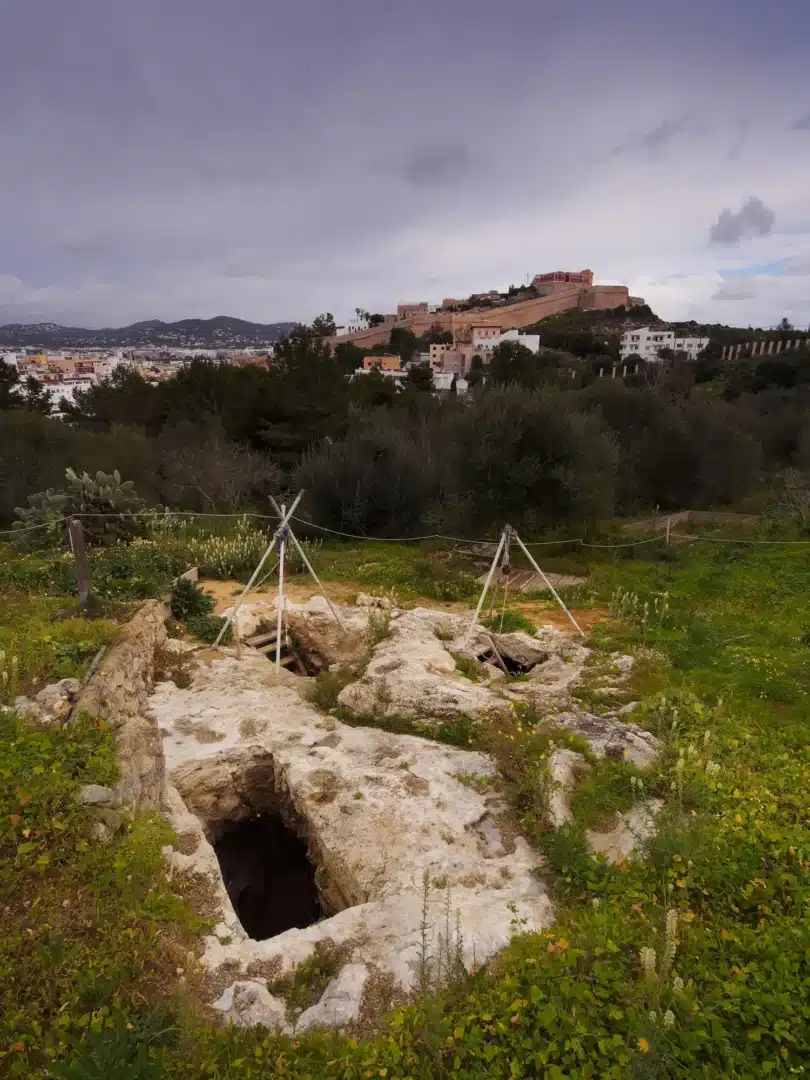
271,159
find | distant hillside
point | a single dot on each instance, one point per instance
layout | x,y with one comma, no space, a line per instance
221,332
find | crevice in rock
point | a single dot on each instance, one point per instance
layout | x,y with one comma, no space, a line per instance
269,878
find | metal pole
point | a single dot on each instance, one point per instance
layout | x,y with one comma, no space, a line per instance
551,588
258,569
308,565
280,594
487,584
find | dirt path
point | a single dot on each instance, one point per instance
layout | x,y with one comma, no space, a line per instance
225,594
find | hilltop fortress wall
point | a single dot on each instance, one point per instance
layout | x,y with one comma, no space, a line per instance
560,297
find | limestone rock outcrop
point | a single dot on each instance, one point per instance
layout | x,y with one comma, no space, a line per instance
412,673
118,692
381,814
51,705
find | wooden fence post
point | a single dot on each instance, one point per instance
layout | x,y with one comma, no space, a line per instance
80,555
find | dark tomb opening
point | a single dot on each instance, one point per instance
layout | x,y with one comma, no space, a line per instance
510,664
269,878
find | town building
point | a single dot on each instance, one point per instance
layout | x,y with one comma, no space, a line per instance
388,362
648,341
485,341
354,327
404,310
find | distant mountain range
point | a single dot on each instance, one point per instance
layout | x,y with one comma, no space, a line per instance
221,332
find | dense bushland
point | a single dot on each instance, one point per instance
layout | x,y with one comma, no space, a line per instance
545,440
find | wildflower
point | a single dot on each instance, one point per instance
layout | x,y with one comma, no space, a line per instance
653,1016
515,1018
677,984
643,1045
669,1019
647,958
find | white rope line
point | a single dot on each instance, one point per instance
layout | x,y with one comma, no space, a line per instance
32,528
397,539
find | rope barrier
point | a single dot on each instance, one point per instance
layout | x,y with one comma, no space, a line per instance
402,539
731,540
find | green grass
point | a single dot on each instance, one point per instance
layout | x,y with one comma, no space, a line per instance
124,572
603,793
43,639
431,570
92,933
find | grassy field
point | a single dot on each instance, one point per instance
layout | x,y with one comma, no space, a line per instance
693,961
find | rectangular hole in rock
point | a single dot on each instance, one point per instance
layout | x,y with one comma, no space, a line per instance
294,657
513,667
270,880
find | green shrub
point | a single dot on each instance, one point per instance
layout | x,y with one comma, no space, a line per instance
189,600
458,732
466,666
326,686
207,628
510,621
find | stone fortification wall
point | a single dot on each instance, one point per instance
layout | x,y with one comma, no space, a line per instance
509,317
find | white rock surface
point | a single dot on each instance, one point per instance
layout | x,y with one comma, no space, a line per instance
340,1003
415,817
412,673
366,600
249,617
51,704
248,1003
97,795
380,813
632,829
565,767
611,738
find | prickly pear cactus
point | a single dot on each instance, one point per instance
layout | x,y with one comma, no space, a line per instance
109,507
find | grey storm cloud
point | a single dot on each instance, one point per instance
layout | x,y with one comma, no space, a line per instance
437,164
275,159
753,218
661,135
802,124
652,140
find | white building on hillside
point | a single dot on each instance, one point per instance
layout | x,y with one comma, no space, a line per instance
647,342
353,327
485,342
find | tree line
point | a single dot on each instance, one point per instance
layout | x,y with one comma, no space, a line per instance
541,441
